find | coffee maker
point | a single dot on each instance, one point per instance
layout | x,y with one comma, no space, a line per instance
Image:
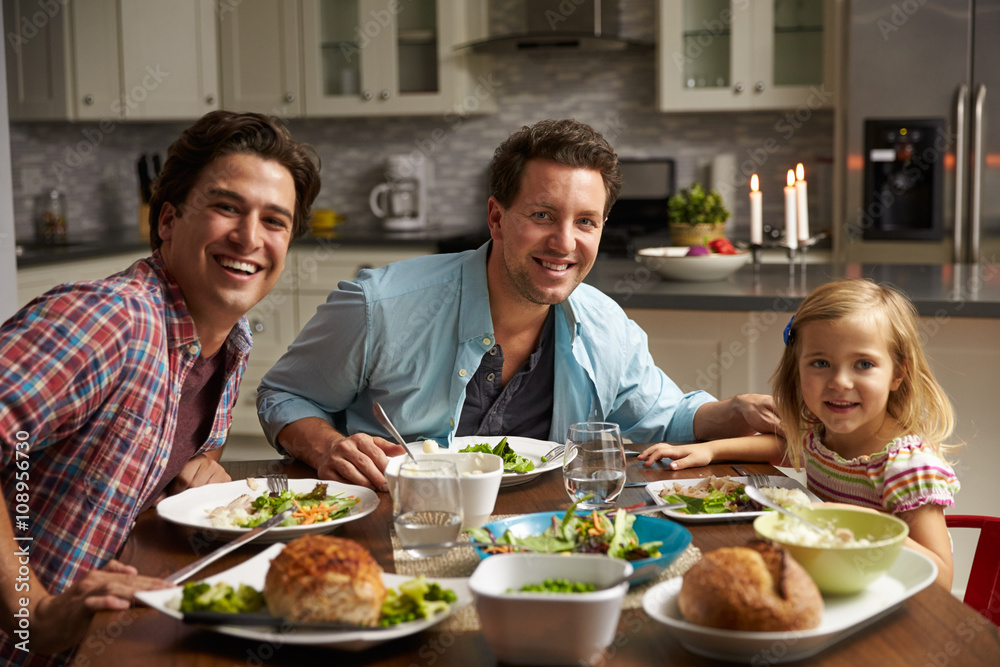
401,202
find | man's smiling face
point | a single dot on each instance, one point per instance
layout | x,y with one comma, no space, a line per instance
547,238
226,245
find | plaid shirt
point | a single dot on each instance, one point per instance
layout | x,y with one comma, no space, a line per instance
90,377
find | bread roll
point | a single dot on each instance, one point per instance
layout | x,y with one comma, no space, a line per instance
323,578
757,587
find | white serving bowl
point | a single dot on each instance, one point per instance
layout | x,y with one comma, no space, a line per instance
480,481
548,628
672,263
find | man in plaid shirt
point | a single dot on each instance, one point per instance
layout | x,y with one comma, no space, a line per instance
114,393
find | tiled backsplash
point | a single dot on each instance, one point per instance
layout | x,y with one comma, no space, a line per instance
615,92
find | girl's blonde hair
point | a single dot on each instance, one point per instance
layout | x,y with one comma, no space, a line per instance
920,405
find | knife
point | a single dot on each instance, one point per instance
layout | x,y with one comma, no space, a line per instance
185,572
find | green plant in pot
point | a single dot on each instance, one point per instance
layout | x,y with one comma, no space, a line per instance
696,217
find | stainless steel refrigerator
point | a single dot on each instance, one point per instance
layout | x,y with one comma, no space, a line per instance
920,116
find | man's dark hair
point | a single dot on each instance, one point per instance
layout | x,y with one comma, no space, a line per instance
566,142
221,133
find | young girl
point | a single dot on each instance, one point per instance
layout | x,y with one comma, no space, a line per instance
860,408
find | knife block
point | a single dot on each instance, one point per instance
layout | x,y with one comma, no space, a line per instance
143,221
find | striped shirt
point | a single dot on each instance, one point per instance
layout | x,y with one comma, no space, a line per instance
906,474
90,379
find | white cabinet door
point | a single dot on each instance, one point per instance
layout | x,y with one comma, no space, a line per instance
170,67
379,57
95,63
732,54
259,54
35,49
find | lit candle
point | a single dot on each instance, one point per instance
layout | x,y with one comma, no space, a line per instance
791,236
756,219
802,204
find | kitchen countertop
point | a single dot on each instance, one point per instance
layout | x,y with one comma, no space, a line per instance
446,240
949,290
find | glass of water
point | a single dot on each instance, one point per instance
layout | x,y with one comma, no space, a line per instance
427,505
594,464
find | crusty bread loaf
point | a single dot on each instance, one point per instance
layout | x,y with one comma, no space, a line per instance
323,578
756,587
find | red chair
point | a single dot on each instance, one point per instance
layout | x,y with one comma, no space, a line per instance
983,591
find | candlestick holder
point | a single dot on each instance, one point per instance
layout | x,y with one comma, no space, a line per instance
755,253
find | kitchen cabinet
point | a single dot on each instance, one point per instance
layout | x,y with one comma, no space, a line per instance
382,57
36,280
716,55
112,59
260,56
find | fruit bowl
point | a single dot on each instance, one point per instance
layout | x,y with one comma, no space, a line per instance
673,263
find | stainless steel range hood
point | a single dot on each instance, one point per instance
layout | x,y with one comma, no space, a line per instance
563,25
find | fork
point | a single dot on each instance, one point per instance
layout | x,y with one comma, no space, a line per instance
277,482
754,479
555,451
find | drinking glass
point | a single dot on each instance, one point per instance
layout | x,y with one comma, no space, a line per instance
427,505
594,463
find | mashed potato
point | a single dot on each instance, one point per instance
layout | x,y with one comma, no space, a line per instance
795,532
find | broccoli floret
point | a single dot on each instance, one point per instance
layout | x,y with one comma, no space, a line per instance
417,598
221,597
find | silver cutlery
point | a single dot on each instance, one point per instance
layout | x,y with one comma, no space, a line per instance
753,479
185,572
552,453
756,495
277,482
383,419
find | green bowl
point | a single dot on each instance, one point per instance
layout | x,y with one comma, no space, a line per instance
840,570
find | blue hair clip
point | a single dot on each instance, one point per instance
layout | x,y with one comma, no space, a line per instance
789,335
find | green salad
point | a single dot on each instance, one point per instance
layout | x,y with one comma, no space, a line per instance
512,461
221,597
608,533
312,507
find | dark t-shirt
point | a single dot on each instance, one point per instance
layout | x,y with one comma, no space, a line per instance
195,414
524,406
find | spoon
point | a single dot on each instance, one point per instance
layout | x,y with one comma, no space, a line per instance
383,419
755,494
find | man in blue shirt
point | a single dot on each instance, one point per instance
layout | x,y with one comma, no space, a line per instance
502,340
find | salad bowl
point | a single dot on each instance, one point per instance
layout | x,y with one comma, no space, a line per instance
674,537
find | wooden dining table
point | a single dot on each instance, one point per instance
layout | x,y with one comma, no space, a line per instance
929,628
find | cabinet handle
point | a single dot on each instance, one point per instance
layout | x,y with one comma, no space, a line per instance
738,87
385,94
256,326
289,97
760,86
210,99
88,99
367,94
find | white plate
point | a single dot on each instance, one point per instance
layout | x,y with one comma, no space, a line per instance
191,507
253,571
529,448
654,488
843,615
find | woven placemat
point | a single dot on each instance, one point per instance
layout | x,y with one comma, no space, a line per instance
461,562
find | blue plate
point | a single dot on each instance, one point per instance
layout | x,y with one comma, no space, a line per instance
675,537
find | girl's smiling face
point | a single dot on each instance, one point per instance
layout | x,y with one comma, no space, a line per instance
846,372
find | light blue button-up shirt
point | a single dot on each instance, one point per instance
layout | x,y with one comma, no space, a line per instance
410,335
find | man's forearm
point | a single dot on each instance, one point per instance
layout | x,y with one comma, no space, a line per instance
309,439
